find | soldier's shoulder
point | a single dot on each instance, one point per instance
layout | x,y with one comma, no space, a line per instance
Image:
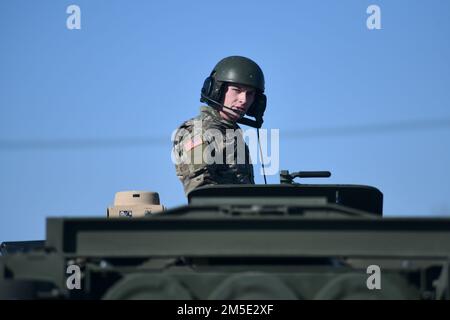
186,124
185,130
202,122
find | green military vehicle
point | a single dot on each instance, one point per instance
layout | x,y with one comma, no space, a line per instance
233,242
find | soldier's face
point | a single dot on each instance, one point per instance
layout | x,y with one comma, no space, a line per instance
239,99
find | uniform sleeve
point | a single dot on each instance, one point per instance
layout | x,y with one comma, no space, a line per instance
198,156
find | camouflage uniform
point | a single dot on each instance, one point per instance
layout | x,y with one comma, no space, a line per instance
196,172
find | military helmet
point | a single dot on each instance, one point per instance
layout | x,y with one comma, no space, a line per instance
238,70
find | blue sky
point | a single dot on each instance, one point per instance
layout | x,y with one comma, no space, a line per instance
86,113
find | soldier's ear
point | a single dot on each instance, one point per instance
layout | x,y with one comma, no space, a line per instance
256,110
258,107
212,89
207,86
222,91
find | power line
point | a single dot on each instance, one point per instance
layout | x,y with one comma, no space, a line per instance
126,142
82,143
368,129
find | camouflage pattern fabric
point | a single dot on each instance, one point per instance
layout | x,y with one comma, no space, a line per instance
210,150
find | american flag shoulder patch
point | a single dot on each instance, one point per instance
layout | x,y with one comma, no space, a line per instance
192,143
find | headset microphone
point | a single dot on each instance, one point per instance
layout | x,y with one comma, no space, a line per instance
242,120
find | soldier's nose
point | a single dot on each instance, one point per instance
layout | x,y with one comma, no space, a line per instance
242,97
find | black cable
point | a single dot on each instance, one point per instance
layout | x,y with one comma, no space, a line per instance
262,159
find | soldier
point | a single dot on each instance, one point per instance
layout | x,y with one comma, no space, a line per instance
209,149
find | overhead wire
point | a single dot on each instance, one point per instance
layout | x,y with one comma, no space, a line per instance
307,133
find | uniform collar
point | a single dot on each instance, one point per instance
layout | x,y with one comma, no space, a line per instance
216,116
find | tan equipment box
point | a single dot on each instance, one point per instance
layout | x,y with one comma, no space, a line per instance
129,204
